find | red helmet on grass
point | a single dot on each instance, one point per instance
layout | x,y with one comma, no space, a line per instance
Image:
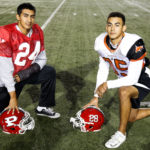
88,120
16,123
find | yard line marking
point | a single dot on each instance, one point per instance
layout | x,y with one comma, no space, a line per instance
52,15
5,11
74,14
136,4
12,12
136,15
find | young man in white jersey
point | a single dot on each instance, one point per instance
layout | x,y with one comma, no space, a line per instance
125,53
23,61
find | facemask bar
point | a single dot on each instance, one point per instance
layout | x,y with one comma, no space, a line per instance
79,122
27,123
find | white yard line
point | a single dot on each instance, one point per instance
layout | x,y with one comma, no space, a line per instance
52,15
6,11
138,5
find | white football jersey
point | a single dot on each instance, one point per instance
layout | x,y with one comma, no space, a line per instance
127,61
118,58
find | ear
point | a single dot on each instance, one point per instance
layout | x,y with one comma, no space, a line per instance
18,17
124,28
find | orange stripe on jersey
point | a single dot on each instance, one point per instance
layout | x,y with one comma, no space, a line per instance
139,58
123,74
107,45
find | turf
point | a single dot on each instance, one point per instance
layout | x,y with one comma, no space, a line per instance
69,42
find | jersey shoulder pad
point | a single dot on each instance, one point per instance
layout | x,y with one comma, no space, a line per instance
127,42
137,51
5,48
99,41
37,28
4,34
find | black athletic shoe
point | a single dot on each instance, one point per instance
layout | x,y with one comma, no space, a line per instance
48,112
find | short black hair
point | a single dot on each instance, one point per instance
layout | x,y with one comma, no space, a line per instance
25,6
117,14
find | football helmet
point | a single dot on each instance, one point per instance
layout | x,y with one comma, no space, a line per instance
16,123
89,119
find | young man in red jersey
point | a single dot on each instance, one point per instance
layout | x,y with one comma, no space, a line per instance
23,61
125,53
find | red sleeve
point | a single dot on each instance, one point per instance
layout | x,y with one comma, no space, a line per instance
5,48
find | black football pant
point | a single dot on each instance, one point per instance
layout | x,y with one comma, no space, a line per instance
46,77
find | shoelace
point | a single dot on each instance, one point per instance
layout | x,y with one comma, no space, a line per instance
116,137
49,110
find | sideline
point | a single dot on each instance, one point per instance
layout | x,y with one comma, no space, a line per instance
52,15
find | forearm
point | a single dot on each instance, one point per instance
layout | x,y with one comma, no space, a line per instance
39,63
125,81
132,78
12,95
24,74
13,104
102,74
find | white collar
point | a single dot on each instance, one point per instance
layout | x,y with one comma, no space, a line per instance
114,46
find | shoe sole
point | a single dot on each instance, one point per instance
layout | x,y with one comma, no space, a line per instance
53,117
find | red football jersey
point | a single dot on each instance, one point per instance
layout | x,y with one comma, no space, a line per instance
22,49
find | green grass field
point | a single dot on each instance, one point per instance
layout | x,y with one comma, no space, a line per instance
69,42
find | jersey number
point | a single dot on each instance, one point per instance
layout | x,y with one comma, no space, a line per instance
19,58
118,64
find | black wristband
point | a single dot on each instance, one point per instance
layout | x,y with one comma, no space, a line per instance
24,74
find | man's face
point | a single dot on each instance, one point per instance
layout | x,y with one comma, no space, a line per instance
26,19
115,28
